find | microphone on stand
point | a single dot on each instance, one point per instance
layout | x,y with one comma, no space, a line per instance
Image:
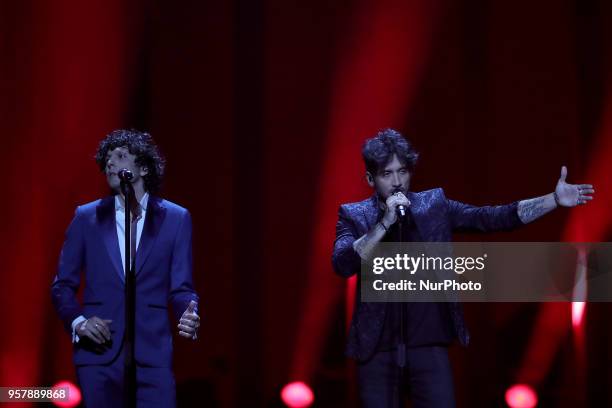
130,291
127,188
125,175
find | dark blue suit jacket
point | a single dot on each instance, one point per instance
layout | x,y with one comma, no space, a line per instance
436,217
163,276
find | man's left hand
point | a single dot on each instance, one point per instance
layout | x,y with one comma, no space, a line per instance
190,322
571,195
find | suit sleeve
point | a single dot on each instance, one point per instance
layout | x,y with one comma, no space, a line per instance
345,260
68,278
181,278
465,217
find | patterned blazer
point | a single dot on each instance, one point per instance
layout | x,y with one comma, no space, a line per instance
436,217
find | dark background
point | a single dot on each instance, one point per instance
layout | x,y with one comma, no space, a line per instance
261,108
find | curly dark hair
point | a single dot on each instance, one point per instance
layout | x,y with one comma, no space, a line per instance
141,145
378,151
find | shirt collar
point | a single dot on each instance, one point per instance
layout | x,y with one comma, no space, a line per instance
143,202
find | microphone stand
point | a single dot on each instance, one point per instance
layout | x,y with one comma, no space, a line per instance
401,346
130,301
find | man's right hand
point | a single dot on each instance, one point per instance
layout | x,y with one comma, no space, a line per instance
366,244
95,329
392,202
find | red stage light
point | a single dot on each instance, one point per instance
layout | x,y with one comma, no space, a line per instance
577,314
74,395
521,396
297,395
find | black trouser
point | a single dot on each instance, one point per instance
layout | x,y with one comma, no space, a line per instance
427,375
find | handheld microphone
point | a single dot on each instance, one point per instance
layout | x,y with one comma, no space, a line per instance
401,209
125,175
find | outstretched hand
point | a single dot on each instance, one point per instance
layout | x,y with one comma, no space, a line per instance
190,322
571,195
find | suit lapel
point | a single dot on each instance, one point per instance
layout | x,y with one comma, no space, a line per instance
370,212
153,221
417,209
105,212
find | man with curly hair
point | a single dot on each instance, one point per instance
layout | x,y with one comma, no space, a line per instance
161,232
399,344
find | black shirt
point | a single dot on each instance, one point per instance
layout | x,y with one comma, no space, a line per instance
425,324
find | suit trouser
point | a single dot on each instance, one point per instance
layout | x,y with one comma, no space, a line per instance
427,375
102,385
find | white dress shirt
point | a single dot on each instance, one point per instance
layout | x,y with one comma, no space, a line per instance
120,221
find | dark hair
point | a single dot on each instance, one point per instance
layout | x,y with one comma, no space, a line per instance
378,151
141,145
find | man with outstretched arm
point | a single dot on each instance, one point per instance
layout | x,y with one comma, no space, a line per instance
429,328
